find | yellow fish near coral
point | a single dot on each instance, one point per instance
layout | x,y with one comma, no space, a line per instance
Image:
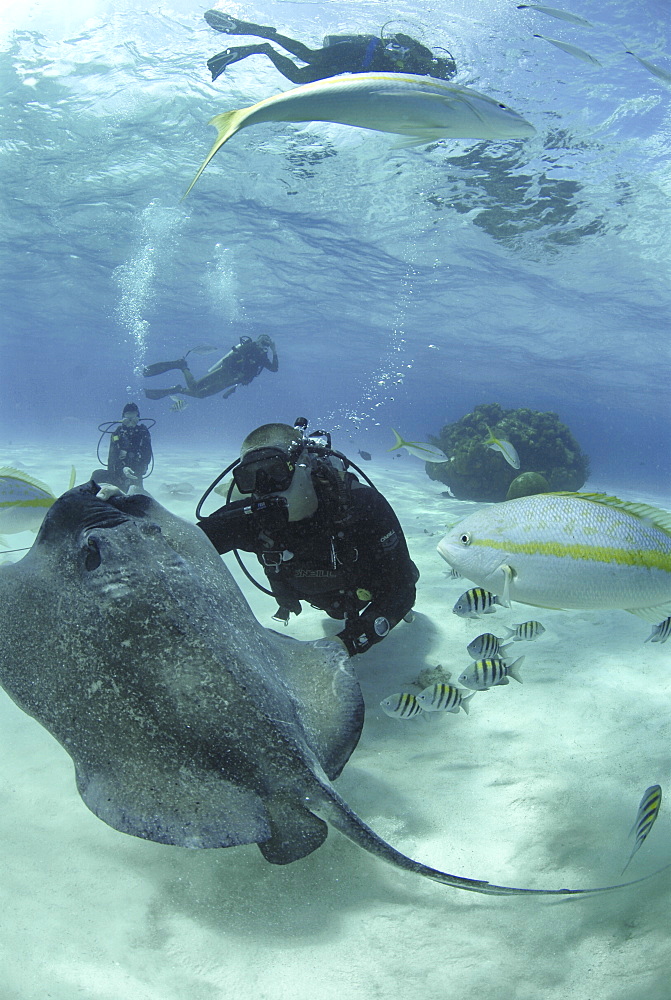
23,501
504,447
420,107
568,550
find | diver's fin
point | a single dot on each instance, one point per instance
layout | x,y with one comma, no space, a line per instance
160,393
164,366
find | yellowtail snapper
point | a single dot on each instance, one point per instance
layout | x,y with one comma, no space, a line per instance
443,698
562,15
401,706
476,602
527,630
568,550
645,817
504,447
427,452
419,107
484,674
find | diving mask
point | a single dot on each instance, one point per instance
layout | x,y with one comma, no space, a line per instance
264,470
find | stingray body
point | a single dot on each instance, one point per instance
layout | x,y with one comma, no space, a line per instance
188,723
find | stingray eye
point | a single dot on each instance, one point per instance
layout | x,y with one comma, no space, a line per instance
465,539
92,557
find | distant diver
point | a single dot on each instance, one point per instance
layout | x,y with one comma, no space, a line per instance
239,367
396,53
130,453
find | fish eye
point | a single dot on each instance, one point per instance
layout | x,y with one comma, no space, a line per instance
92,558
465,539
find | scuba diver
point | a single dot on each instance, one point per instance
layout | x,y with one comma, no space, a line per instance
396,53
242,364
130,453
321,535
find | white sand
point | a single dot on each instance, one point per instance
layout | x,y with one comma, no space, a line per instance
538,786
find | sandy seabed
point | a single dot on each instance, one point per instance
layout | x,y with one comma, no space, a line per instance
537,787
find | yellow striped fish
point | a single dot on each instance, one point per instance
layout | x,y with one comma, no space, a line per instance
645,817
444,698
24,500
420,107
568,550
504,447
401,706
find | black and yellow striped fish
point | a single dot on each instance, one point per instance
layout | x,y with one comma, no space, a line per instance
401,706
645,817
661,632
486,645
474,602
525,630
443,698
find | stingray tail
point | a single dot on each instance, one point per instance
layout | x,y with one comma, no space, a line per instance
337,812
226,125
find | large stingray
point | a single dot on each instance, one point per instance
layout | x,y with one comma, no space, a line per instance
188,723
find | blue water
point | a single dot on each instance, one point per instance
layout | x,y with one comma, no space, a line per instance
402,287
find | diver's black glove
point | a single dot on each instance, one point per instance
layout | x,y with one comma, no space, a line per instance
285,610
362,633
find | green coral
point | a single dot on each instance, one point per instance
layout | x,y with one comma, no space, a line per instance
475,472
527,485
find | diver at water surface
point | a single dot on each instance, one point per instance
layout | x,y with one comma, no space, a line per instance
396,53
242,364
321,535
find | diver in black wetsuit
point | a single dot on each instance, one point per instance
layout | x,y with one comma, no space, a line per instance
320,534
341,53
239,367
130,452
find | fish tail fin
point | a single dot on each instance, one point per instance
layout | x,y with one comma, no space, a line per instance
514,669
502,649
226,124
510,631
73,476
399,441
465,701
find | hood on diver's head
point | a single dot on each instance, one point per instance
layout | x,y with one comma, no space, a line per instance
300,492
281,436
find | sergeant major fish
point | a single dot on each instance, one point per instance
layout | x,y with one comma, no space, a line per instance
401,706
443,698
525,630
476,602
483,674
486,645
661,632
645,817
420,107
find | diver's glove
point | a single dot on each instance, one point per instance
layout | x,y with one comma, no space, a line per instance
362,633
129,474
285,610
